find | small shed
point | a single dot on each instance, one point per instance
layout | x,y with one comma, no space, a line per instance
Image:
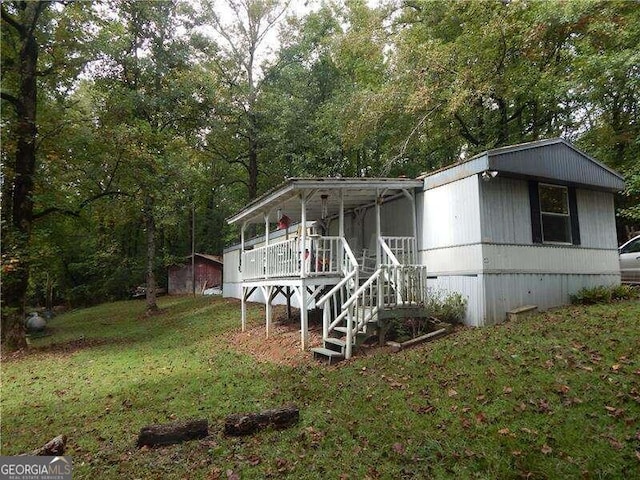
208,274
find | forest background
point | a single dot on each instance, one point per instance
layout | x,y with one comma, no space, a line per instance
121,120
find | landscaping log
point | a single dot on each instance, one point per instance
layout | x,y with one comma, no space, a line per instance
53,448
174,432
248,423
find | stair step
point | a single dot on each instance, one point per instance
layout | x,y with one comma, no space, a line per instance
335,344
331,357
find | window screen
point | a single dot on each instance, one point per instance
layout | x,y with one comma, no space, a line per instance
555,217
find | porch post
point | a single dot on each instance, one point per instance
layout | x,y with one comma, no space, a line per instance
242,229
243,308
341,218
412,199
303,236
267,292
304,319
341,230
265,258
378,229
378,248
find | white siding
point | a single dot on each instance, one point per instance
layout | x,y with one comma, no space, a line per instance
505,211
548,259
504,292
230,272
455,260
450,215
596,216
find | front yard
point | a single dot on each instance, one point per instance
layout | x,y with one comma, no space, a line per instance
552,396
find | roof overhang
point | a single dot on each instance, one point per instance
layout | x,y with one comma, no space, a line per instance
554,160
356,192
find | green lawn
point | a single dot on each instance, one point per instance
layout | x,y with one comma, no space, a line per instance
551,396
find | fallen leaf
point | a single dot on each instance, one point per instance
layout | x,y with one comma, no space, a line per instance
516,453
507,390
398,448
452,392
481,417
231,475
615,367
504,431
480,398
546,449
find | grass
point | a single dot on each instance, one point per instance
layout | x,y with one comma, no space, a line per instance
552,396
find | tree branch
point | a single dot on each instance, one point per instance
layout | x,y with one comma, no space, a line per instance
7,17
11,99
85,203
466,133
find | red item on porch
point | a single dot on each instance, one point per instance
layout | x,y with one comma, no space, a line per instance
283,222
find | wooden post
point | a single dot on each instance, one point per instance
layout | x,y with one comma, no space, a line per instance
193,248
412,199
304,319
242,229
243,308
303,236
378,246
267,291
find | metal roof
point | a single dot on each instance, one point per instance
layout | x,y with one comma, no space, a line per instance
286,197
554,160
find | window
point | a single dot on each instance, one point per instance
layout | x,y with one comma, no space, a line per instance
631,247
554,214
555,217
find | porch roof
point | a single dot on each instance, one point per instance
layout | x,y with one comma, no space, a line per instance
286,197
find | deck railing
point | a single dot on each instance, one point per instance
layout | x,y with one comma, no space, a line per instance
322,256
403,249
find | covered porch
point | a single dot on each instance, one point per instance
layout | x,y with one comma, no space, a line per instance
318,252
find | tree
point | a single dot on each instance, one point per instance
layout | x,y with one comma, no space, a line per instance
37,48
236,124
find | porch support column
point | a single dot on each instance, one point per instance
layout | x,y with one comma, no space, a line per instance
341,232
378,229
304,318
267,292
341,217
242,229
303,236
243,308
378,247
266,250
414,217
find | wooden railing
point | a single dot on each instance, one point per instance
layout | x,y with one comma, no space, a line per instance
403,249
322,256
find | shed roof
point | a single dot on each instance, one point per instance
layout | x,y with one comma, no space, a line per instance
553,160
212,258
286,196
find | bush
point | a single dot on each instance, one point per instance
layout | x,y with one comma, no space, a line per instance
450,307
602,294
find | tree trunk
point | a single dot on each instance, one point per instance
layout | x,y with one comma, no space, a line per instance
15,266
170,433
150,225
248,423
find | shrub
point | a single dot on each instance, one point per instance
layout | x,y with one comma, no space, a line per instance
450,307
602,294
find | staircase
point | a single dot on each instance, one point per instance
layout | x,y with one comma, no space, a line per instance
354,309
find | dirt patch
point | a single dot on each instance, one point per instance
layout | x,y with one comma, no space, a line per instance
283,345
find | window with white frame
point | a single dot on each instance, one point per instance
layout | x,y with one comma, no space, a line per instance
555,214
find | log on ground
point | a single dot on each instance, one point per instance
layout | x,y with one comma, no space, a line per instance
175,432
248,423
53,448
